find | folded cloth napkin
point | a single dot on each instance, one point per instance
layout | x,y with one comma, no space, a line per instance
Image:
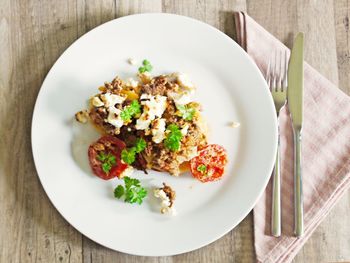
325,151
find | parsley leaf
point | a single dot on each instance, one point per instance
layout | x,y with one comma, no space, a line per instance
146,66
133,191
173,139
186,112
119,191
129,182
107,161
202,168
140,145
129,155
130,111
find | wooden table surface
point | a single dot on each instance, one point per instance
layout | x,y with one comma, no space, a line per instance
33,34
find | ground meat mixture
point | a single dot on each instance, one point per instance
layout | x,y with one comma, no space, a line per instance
107,117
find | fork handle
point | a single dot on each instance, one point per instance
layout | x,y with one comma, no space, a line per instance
298,187
276,195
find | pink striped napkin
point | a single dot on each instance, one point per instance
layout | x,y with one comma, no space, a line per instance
325,152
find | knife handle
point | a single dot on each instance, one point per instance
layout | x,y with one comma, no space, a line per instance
276,194
298,186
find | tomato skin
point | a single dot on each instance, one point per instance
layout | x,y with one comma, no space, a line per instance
113,146
214,158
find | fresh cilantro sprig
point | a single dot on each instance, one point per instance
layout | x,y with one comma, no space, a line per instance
202,168
146,66
186,112
107,161
132,192
173,139
129,155
130,111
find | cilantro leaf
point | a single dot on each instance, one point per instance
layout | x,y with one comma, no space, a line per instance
119,191
107,161
140,145
128,155
202,168
130,111
173,139
146,66
133,191
186,112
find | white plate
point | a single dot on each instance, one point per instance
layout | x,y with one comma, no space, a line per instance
230,88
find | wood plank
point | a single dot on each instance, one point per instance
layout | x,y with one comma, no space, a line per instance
341,15
32,36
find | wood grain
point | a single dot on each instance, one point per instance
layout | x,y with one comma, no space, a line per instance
32,36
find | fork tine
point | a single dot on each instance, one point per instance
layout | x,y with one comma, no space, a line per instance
268,73
281,75
273,74
285,76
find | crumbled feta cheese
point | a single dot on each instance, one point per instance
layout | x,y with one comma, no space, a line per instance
153,106
110,99
169,210
127,172
184,129
234,124
97,102
181,98
158,129
114,117
184,81
159,193
165,202
143,122
132,61
130,82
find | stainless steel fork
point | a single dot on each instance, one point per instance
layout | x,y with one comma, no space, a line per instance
276,77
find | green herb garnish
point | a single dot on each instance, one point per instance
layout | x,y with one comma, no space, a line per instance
130,111
108,160
129,155
146,66
186,112
173,139
133,192
202,168
140,145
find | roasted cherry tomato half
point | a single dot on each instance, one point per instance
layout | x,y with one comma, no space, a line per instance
210,163
104,157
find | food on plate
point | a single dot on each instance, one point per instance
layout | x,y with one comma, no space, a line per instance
151,122
167,196
132,191
209,164
234,124
82,116
104,157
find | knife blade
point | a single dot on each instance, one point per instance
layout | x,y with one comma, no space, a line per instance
295,106
296,81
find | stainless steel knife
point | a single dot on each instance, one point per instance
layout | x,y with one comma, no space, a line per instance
295,106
